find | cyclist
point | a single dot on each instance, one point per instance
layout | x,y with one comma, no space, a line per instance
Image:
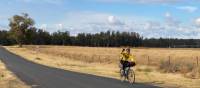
127,60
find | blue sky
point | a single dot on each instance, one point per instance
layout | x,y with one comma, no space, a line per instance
150,18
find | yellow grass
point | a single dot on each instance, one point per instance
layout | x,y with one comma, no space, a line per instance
104,62
9,80
112,54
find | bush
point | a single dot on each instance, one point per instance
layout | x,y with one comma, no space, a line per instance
188,69
195,73
179,66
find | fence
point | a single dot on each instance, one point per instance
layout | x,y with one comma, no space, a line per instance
169,59
144,60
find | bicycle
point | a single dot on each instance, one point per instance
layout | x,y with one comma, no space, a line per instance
129,75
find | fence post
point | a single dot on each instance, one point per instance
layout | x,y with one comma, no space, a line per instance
37,51
148,60
169,60
99,59
197,61
108,59
93,57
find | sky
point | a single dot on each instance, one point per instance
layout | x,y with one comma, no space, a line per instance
150,18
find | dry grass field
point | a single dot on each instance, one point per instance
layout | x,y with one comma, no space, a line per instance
164,67
9,80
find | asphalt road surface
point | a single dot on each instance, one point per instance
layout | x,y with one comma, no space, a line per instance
39,76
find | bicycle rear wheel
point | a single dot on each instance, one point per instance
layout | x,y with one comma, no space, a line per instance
131,76
121,72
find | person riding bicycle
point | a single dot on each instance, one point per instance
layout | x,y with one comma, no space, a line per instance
127,60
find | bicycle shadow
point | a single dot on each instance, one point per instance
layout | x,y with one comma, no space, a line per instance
140,85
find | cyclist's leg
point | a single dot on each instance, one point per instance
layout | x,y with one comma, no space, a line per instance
129,66
124,66
121,64
121,68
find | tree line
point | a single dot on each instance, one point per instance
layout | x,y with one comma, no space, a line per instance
22,31
103,39
36,36
171,43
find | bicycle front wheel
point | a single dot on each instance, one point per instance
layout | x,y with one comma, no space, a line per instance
131,76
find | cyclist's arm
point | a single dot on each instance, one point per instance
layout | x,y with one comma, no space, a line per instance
132,58
122,56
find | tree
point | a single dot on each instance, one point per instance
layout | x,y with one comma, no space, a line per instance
61,38
43,37
5,39
31,36
19,25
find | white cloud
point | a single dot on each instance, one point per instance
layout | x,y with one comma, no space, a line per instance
188,8
150,25
197,21
93,22
170,20
85,17
59,26
111,19
43,26
167,14
3,27
86,21
114,21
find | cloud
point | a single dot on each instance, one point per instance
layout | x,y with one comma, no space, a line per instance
85,17
170,20
93,22
197,22
114,21
2,27
43,26
167,14
59,26
150,25
188,8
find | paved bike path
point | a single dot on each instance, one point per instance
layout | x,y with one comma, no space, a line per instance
46,77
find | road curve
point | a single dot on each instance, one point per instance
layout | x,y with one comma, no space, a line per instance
40,76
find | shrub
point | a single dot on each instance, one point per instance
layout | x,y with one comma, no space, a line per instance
176,66
188,69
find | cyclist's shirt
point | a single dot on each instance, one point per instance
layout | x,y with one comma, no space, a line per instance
129,57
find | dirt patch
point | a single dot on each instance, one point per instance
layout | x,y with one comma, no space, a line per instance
9,80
